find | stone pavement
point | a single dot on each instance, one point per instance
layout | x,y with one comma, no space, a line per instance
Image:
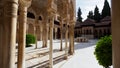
83,57
39,58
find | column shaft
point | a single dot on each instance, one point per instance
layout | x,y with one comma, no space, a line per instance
8,24
36,45
51,42
116,33
36,35
40,31
66,42
44,33
61,36
55,33
22,37
71,35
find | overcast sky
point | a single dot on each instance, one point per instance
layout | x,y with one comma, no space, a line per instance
88,5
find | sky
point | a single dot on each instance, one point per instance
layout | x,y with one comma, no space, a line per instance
89,5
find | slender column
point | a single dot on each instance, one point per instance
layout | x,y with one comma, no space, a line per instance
22,36
55,33
36,22
71,35
66,42
70,41
51,42
47,27
44,32
116,33
41,31
72,38
8,24
61,35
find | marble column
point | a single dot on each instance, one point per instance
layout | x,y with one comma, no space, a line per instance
35,25
61,35
66,42
22,36
70,41
116,33
44,35
23,5
71,35
55,33
47,35
72,38
8,23
8,28
41,31
51,41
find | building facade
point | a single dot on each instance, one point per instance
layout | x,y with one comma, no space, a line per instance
90,29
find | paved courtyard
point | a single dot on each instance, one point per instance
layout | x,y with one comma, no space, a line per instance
83,57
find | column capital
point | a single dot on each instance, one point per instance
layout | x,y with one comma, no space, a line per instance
25,3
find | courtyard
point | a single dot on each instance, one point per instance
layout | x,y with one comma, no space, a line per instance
54,19
83,58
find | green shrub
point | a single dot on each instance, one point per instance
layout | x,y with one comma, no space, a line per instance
30,39
103,51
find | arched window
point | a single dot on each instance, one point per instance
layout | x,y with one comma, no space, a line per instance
40,18
30,15
87,32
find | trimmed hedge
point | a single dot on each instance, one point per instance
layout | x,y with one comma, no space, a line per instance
103,51
30,39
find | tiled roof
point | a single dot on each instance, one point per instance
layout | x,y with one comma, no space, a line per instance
102,24
88,21
78,24
107,18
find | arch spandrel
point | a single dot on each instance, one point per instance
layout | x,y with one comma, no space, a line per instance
72,13
62,6
39,6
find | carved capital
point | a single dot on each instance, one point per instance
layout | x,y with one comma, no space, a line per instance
25,3
10,8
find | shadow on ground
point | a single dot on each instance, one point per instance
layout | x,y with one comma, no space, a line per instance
45,64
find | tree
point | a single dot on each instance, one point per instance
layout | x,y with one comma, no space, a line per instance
103,51
97,15
106,9
90,15
30,39
79,13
